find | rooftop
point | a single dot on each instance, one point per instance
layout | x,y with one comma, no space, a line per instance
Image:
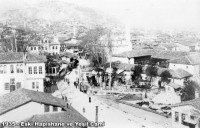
154,53
14,57
189,60
195,103
22,96
177,73
69,116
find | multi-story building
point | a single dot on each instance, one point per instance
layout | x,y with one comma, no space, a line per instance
21,70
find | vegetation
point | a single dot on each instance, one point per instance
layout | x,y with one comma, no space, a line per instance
16,39
152,71
165,76
137,71
92,43
188,92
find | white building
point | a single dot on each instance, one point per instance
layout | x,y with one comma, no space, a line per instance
189,63
186,114
23,105
19,70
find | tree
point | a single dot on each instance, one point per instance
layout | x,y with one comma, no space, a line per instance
137,71
91,42
188,92
152,71
165,75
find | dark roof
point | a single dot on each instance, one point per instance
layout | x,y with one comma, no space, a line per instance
177,73
154,53
68,116
22,96
10,57
195,103
189,60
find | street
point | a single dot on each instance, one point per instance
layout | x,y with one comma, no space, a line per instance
114,117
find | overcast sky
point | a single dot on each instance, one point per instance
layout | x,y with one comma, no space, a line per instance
162,14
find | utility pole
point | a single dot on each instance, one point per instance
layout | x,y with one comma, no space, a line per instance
96,119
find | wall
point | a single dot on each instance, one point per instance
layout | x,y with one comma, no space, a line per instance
26,111
35,76
23,112
193,69
5,78
181,109
121,59
29,84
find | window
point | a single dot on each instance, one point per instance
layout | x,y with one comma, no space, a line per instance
33,85
192,117
37,85
176,117
31,48
21,68
53,47
182,117
35,69
30,70
34,48
7,87
11,68
56,47
40,69
55,108
53,70
4,69
12,81
46,108
18,84
18,68
1,69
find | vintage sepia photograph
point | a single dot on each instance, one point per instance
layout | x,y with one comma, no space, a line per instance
99,63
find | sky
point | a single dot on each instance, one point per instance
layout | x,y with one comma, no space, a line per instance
149,14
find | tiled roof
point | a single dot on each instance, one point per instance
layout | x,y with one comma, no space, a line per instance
22,96
160,54
195,103
189,60
18,57
69,116
177,73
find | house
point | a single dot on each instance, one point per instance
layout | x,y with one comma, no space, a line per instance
189,63
148,56
34,48
25,103
68,118
192,45
34,106
186,114
178,76
21,70
169,46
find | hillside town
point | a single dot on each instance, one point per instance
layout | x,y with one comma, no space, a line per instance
103,75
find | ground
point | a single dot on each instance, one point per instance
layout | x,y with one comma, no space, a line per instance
114,115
